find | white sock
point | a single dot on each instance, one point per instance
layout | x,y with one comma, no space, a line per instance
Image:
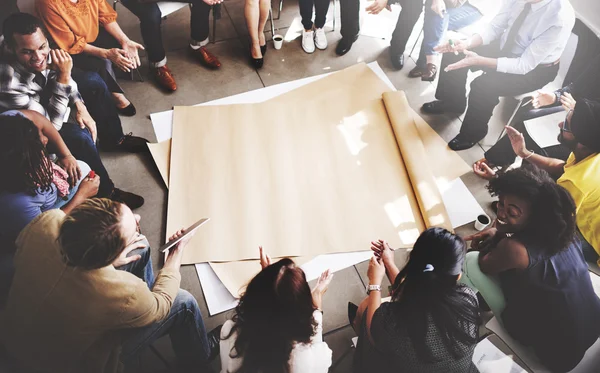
158,64
198,44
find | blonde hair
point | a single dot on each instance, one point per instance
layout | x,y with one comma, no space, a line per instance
90,236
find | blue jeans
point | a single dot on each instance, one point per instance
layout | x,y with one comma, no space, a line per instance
435,26
85,170
82,146
184,325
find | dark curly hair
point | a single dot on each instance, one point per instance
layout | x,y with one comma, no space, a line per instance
24,162
21,24
552,222
275,312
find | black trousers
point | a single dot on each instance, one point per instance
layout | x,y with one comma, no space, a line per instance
502,154
151,19
486,89
409,15
306,12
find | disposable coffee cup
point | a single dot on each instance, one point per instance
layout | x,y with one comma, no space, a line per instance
277,41
482,222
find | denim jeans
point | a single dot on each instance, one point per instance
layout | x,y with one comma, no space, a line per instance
435,26
151,18
99,102
184,325
82,146
85,170
306,12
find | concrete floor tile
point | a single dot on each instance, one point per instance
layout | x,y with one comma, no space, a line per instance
340,343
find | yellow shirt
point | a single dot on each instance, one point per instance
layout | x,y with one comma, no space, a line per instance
68,320
582,180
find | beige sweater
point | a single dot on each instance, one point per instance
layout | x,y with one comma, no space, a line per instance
62,319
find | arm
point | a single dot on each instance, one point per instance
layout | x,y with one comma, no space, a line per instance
375,274
382,250
509,254
494,30
553,166
64,37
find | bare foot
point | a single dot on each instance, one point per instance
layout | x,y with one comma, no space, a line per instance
120,100
255,51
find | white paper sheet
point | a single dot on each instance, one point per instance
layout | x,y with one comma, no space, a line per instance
167,8
589,363
163,121
460,203
380,25
218,298
489,359
544,130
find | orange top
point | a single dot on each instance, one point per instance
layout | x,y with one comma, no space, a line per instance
73,25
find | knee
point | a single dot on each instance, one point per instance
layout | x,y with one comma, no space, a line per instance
151,15
186,300
143,252
471,262
91,81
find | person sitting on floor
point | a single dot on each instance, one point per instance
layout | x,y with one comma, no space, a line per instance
71,310
431,323
150,18
580,174
88,30
278,323
530,270
519,51
31,183
586,85
28,82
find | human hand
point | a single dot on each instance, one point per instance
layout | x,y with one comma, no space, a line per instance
84,119
323,282
542,98
376,271
175,253
483,170
518,142
88,187
69,164
471,59
120,58
439,7
382,250
123,259
62,63
477,238
457,46
567,101
265,259
377,6
131,50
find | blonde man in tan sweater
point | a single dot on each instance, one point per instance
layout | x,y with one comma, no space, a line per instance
74,306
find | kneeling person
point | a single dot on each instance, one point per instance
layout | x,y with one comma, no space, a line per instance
71,310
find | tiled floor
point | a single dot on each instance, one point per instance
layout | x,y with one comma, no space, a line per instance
137,173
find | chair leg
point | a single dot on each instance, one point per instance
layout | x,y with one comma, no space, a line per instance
334,13
280,9
139,75
416,42
272,24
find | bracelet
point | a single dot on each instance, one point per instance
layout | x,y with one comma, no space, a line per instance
530,154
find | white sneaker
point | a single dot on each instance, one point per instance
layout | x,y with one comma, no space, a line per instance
308,41
320,39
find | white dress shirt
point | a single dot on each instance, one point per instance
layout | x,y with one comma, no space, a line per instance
314,357
541,39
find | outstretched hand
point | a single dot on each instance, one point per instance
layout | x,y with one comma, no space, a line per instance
265,259
471,59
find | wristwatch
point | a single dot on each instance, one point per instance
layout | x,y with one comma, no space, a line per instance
371,288
557,94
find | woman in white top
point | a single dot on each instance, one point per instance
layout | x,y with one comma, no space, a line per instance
278,324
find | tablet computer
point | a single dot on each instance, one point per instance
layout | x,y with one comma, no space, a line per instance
186,233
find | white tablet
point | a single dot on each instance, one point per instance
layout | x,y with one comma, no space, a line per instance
186,232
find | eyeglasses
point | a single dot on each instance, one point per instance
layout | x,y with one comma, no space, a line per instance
567,123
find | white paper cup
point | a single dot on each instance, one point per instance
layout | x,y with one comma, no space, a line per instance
277,41
482,222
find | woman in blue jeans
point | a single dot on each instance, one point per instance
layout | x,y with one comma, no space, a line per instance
441,16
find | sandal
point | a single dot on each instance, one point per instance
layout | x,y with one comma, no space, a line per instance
417,72
429,73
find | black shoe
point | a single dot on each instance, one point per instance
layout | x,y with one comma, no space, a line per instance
482,303
214,342
133,201
344,45
131,144
441,107
263,50
397,60
127,111
257,63
459,143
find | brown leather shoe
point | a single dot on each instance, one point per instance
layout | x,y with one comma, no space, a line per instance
429,73
164,78
206,58
417,72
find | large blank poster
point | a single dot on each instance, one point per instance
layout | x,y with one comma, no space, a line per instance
314,171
